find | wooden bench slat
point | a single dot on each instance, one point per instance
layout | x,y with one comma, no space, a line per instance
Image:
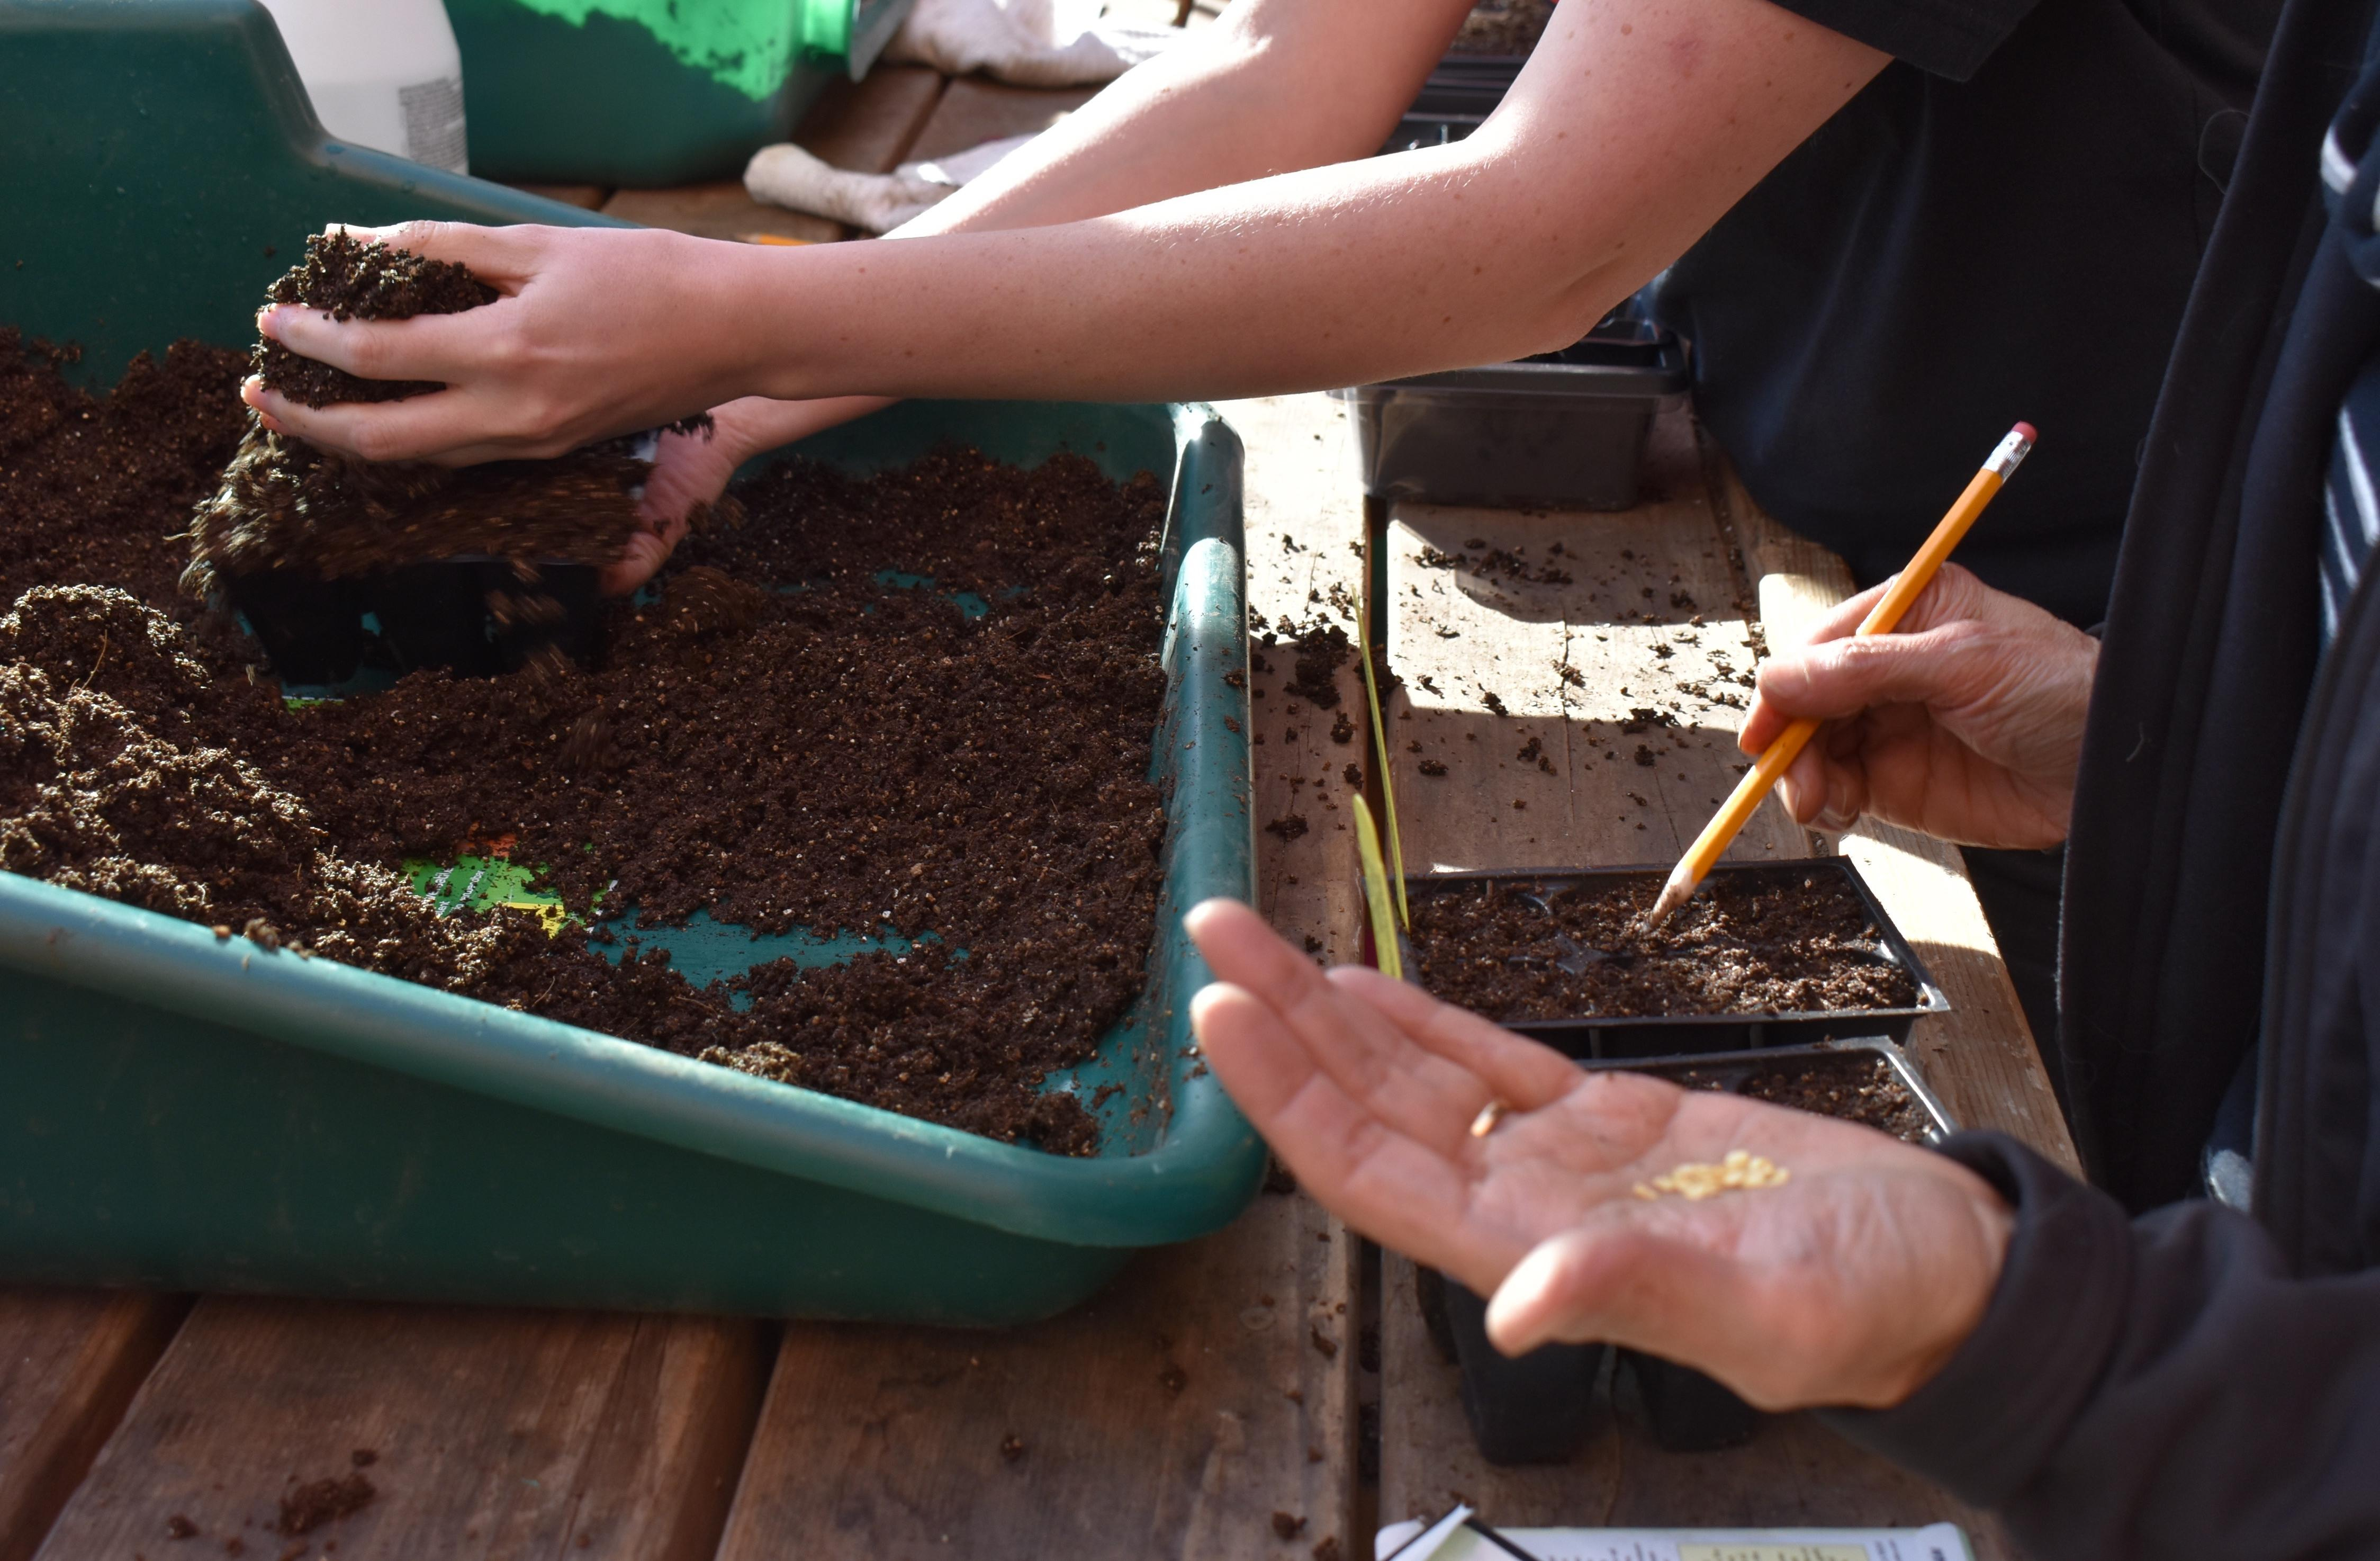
70,1360
492,1433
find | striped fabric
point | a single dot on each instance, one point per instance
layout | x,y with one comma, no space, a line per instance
2351,509
2350,506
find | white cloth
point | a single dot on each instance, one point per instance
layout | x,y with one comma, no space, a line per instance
1024,42
785,175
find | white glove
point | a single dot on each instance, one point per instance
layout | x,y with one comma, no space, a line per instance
1024,42
785,175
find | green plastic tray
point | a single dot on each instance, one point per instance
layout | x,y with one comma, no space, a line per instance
177,1112
651,92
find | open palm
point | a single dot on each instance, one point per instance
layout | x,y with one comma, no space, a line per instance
1851,1283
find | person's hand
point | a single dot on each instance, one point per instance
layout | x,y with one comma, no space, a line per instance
1852,1284
600,331
1967,723
693,468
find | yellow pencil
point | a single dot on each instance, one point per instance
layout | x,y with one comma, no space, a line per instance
1883,619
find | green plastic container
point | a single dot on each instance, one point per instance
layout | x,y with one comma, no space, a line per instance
647,92
181,1113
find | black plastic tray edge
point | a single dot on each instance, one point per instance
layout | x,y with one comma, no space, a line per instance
1931,999
1664,383
1942,1123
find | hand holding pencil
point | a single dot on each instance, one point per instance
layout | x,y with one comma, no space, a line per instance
1882,618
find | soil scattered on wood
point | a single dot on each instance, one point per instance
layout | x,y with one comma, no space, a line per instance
950,761
1517,951
311,1505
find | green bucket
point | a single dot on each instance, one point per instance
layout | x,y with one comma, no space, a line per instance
647,92
181,1113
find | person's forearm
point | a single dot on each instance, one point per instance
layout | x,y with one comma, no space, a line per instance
1277,86
1509,243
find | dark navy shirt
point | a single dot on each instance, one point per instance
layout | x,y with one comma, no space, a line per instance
2004,224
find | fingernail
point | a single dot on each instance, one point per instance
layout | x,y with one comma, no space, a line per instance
265,319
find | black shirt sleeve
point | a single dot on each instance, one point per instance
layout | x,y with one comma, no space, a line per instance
2153,1387
1947,38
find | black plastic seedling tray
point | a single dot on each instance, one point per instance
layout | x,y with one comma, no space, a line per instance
1538,1408
1591,1037
1565,430
462,615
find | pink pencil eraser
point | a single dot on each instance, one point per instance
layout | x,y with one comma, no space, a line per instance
2027,430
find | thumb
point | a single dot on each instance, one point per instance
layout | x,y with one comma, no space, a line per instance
1620,1280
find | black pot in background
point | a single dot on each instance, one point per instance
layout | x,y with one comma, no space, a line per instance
1688,1411
1538,1408
472,616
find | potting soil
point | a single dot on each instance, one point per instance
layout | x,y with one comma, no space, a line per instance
1853,1088
1734,949
952,769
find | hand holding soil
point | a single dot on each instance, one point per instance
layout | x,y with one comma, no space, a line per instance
1851,1283
589,339
1966,725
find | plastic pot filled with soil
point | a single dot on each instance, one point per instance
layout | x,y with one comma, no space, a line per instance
1537,1408
341,568
1767,954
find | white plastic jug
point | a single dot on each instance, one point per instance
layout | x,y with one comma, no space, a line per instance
383,74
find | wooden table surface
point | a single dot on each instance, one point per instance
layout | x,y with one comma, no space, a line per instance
1267,1391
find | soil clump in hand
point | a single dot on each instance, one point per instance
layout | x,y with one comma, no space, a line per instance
282,502
956,767
1519,951
349,278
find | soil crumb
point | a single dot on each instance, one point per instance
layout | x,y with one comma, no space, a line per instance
311,1505
1527,950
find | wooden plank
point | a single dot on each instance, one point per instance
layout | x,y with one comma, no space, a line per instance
1473,630
974,111
868,126
1794,1472
1177,1412
487,1433
1639,607
720,210
1172,1415
69,1362
1305,566
1980,1057
589,196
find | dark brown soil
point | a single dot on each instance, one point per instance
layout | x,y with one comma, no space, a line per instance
783,741
311,1505
1855,1088
1503,26
349,279
1734,949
